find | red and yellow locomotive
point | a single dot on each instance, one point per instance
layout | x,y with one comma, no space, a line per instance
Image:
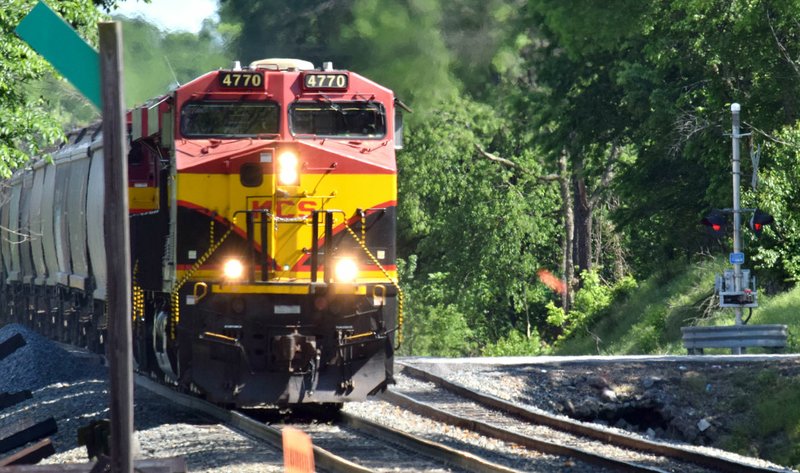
262,215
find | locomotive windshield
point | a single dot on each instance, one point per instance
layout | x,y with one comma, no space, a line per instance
229,119
338,119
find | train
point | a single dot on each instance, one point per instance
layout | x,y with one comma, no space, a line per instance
262,209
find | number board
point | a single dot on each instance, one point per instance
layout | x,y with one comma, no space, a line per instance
323,81
241,80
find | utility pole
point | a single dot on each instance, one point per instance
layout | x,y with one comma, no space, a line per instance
737,211
117,241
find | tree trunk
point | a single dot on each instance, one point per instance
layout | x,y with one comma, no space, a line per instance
567,267
583,224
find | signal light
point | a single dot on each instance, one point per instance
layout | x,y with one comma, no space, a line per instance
716,221
759,220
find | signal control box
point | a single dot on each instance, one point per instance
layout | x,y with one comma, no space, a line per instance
728,295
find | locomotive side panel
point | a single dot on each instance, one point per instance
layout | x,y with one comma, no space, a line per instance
149,214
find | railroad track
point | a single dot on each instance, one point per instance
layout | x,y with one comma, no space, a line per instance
349,444
438,398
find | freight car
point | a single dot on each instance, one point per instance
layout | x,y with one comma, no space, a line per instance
262,214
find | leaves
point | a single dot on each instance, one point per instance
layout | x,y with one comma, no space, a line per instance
26,125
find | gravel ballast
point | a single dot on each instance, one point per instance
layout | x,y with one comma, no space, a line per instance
71,386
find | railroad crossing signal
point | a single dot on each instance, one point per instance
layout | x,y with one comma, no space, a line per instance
758,220
716,221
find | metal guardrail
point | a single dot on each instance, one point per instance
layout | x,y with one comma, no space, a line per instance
695,339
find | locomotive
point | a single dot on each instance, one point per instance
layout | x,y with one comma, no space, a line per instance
262,210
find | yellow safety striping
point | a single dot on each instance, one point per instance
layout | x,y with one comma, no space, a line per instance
259,289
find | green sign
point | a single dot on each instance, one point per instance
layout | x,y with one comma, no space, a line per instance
50,36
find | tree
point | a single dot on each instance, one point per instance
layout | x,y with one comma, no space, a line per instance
156,60
27,127
653,80
778,248
397,44
484,229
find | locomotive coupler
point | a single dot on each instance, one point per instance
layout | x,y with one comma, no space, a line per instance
294,351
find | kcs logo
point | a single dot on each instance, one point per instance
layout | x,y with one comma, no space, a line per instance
287,208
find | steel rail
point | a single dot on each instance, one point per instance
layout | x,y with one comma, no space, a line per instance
577,428
434,450
322,458
489,430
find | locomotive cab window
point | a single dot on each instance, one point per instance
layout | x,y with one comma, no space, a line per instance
229,119
338,119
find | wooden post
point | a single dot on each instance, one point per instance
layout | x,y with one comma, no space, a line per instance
117,241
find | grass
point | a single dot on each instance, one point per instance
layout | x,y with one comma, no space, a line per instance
782,309
772,430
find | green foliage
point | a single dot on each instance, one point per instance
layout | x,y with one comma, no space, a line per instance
780,309
152,57
773,432
515,344
648,319
397,44
434,327
26,125
591,302
778,194
474,221
657,77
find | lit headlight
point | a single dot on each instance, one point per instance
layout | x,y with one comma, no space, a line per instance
287,169
233,269
346,270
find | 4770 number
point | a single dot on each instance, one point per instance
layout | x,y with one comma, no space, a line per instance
325,81
241,79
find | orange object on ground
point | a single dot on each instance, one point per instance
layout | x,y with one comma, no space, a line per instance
298,452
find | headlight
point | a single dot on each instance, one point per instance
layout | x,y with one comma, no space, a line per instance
233,269
287,169
346,270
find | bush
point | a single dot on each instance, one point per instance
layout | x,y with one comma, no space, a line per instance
439,330
516,344
591,301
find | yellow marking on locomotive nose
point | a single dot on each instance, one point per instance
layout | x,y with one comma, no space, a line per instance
260,289
220,336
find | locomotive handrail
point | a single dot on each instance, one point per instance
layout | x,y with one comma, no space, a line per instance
266,217
175,296
363,244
